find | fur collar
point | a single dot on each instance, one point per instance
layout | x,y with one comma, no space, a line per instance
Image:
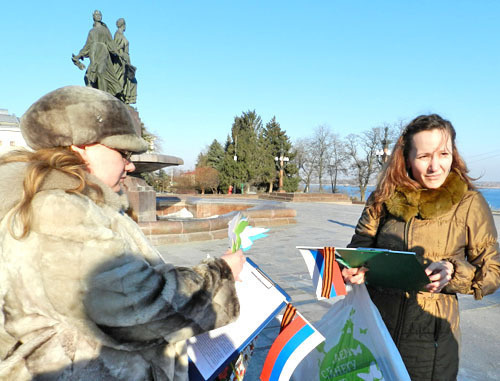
11,187
427,203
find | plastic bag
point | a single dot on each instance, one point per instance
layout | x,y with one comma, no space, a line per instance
357,347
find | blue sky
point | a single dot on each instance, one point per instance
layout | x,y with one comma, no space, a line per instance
351,65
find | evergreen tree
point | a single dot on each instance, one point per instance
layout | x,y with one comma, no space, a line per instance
266,170
230,174
215,155
245,148
201,160
279,145
248,156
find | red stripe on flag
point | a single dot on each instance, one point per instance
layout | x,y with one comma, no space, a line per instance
278,345
338,280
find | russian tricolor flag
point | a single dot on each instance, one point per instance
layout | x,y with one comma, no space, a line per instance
293,344
324,271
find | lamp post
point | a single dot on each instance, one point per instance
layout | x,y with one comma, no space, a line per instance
383,154
235,158
281,160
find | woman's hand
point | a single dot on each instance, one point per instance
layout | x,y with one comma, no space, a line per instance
235,261
439,274
355,275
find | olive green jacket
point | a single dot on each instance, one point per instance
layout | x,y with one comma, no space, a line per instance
86,297
450,223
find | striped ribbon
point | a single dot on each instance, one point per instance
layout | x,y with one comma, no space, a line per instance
288,316
328,266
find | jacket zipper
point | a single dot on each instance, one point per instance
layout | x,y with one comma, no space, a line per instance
405,295
407,230
436,335
399,325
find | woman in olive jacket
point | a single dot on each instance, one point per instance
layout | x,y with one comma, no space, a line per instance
425,203
83,294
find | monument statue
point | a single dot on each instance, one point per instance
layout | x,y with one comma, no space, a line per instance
109,69
125,70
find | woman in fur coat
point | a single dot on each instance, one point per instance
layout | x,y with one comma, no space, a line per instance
83,294
425,203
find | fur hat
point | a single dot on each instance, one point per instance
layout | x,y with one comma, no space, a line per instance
80,115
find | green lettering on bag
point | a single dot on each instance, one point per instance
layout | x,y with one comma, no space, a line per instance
349,359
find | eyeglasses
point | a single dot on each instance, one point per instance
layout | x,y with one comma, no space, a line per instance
125,154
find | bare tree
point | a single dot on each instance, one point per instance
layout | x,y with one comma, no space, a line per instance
206,178
361,150
321,141
305,159
184,182
337,160
369,151
397,128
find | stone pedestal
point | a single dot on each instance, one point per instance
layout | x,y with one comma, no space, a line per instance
142,198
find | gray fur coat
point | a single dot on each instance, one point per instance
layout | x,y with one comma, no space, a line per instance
86,297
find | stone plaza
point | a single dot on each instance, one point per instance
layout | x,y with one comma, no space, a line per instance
331,224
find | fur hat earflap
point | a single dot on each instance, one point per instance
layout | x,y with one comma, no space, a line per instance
80,115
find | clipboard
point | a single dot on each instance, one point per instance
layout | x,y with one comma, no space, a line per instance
260,301
388,268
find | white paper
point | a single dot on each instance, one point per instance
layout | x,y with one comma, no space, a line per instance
259,299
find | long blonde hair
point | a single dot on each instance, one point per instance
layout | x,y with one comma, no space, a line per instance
40,164
397,171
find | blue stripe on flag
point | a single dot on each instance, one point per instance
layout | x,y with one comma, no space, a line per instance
333,292
288,349
320,260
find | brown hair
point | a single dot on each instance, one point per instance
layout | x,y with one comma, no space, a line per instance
40,164
396,172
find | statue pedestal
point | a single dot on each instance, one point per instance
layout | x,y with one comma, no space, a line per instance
142,198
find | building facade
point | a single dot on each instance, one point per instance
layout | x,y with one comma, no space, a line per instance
10,133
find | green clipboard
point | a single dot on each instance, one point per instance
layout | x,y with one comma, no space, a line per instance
388,268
